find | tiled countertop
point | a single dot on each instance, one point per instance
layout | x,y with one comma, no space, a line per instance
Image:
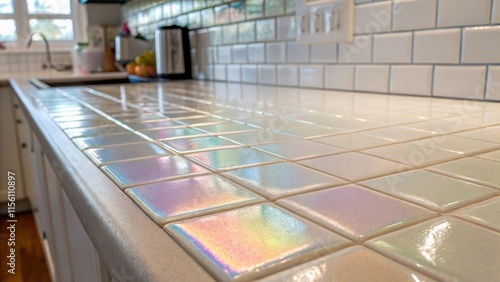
284,184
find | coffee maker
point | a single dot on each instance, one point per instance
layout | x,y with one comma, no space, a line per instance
173,52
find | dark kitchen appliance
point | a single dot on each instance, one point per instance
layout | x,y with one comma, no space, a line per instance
173,53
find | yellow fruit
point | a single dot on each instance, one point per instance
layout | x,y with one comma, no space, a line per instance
140,60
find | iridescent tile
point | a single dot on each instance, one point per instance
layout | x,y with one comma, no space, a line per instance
298,149
95,131
199,144
250,242
486,213
137,172
230,127
354,141
454,144
495,156
184,198
107,140
490,134
78,117
397,134
124,152
310,131
172,133
155,125
349,265
232,158
434,191
85,123
477,170
202,121
282,179
441,126
256,137
448,248
356,212
354,166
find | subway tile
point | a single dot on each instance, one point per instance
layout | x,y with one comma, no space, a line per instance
414,14
297,53
288,75
265,30
459,82
312,76
414,80
324,53
286,28
495,13
437,46
480,45
493,87
240,53
256,53
276,52
385,50
267,74
372,78
373,17
246,31
234,73
230,34
220,72
359,51
339,77
224,54
463,12
249,73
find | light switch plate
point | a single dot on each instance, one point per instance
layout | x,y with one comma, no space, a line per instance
324,21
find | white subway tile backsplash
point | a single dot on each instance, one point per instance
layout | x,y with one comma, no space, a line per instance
481,45
288,75
267,74
286,28
297,53
495,12
276,52
414,14
246,31
371,78
265,30
220,72
415,80
437,46
234,73
493,87
463,12
358,51
312,76
230,34
324,53
224,54
459,81
256,53
373,17
240,53
392,48
249,73
339,77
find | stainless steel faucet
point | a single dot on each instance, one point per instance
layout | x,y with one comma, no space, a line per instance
47,49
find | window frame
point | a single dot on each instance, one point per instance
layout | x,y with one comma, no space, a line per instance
22,18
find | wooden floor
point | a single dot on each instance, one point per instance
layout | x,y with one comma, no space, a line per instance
30,261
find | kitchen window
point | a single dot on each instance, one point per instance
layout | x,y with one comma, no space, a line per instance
56,19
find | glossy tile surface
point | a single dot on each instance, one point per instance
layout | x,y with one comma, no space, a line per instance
355,212
298,149
232,158
143,171
485,213
495,156
256,240
458,145
107,140
397,134
198,144
447,248
282,179
354,166
348,265
124,152
95,131
256,137
477,170
189,197
354,141
434,191
172,133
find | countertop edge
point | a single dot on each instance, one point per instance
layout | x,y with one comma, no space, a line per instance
142,253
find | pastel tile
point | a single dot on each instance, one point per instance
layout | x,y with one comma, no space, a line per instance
85,123
442,126
354,166
198,144
225,128
298,149
458,145
256,241
124,152
356,212
232,158
397,134
434,191
485,214
172,133
201,121
309,131
491,156
189,197
136,172
256,137
472,169
490,134
107,140
352,264
95,131
447,248
283,179
413,154
155,124
354,141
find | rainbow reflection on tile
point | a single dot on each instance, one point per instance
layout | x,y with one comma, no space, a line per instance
179,199
253,241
